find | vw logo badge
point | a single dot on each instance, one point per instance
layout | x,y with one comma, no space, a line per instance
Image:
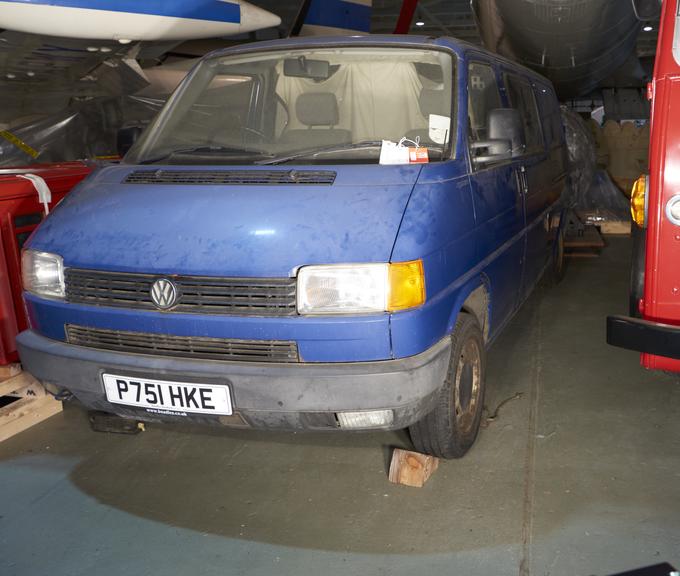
164,293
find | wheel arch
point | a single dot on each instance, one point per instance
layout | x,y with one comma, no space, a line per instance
474,299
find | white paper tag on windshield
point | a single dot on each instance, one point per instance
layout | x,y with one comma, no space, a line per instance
392,153
439,128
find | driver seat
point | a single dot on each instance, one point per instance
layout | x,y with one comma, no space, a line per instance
319,112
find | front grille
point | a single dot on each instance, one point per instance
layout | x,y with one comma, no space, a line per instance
184,346
197,294
231,177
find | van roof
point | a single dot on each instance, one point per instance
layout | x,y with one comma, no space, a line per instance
459,47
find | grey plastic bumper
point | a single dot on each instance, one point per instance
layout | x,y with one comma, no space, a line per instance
284,396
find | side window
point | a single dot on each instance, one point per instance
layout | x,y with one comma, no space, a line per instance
522,98
483,96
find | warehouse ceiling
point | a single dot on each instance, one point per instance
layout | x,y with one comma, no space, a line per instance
437,18
28,62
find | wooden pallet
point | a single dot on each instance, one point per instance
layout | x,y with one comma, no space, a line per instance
586,245
25,401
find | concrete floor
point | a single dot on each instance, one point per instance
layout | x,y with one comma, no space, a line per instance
577,475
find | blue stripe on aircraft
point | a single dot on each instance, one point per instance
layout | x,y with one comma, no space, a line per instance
340,14
213,10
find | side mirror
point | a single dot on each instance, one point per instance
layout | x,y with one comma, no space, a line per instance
506,137
506,124
496,151
126,137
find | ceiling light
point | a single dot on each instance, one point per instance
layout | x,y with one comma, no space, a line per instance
648,28
420,23
11,76
92,49
30,74
105,49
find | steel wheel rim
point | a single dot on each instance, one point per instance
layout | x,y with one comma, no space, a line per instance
467,385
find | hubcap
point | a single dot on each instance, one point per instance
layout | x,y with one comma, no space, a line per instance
467,385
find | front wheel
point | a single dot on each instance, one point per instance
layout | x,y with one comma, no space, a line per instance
451,428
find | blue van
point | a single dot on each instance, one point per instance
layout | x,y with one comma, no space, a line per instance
313,234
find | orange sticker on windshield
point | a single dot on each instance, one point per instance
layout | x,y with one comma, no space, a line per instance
418,155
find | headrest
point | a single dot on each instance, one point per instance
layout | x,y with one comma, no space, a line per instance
431,102
317,109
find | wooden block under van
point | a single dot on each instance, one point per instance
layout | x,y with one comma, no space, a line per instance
411,468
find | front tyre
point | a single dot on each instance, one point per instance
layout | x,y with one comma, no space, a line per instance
451,428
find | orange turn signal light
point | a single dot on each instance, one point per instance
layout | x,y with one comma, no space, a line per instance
638,201
406,282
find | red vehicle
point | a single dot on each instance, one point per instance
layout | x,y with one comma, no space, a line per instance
653,327
20,213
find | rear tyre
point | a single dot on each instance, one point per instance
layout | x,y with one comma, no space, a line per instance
450,430
555,272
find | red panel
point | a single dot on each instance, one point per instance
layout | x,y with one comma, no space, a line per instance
8,320
20,214
662,272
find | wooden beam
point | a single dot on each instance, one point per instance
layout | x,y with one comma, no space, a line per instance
616,227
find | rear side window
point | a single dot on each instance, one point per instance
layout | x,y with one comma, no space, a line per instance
483,96
522,97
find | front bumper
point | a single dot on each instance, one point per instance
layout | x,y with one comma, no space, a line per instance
644,336
277,396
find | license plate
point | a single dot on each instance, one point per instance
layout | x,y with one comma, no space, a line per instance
159,396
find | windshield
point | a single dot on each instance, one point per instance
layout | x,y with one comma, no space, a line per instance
321,105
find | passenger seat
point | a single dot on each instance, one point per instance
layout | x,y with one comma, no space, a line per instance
430,102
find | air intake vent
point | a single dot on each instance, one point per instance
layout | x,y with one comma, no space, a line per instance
184,346
232,177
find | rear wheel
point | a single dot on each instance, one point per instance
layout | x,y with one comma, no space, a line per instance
451,428
555,271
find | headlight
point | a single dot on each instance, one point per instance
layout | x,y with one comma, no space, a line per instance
43,274
360,288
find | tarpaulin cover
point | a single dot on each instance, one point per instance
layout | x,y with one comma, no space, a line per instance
582,157
604,201
84,131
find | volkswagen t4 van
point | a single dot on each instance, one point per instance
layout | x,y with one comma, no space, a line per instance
313,234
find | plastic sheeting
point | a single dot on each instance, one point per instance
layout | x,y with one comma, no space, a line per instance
603,202
582,157
85,131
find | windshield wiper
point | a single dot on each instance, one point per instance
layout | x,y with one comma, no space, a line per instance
323,150
209,150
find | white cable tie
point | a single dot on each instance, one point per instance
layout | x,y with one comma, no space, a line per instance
41,187
415,142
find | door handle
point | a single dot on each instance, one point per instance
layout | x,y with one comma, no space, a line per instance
523,180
